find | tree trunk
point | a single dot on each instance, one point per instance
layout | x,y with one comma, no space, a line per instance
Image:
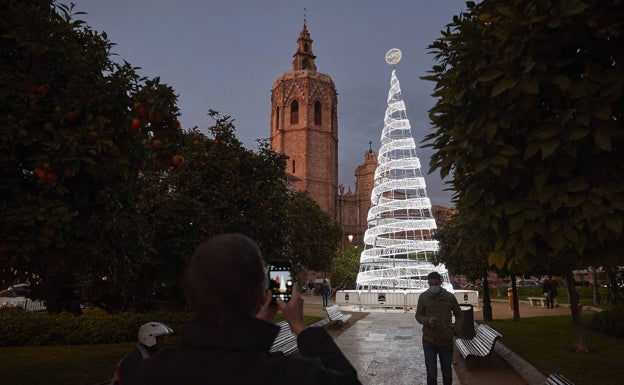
516,303
487,302
579,338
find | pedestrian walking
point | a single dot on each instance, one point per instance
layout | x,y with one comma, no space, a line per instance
325,290
549,289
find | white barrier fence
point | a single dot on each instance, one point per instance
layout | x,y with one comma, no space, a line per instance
396,299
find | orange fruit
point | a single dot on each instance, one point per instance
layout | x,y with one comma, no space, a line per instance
136,124
177,160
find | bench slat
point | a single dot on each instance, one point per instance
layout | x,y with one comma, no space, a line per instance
557,379
336,316
286,341
482,345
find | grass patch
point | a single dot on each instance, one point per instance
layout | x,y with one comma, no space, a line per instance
69,364
548,344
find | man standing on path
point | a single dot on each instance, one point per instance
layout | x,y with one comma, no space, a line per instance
435,309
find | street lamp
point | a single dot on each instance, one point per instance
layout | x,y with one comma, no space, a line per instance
350,238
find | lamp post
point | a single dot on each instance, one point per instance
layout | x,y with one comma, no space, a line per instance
595,293
350,238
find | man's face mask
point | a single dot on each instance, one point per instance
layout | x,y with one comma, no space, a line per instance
435,289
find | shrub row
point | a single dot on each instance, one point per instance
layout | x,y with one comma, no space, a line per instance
610,322
94,326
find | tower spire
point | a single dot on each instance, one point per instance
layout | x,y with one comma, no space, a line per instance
303,59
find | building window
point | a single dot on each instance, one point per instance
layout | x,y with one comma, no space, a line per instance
294,112
304,64
277,118
305,47
317,113
293,166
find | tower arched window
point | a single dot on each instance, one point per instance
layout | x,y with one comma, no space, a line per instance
317,113
304,64
294,112
277,118
305,47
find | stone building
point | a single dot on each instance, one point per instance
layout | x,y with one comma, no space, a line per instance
304,126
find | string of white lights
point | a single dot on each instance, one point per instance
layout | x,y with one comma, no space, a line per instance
399,240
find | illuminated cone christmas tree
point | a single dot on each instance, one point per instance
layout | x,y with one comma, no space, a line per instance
398,241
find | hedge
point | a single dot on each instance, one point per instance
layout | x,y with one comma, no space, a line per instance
94,326
610,322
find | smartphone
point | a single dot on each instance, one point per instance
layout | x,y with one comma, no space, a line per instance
280,279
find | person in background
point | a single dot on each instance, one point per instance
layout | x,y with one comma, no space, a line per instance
226,285
325,290
550,292
310,288
434,311
152,337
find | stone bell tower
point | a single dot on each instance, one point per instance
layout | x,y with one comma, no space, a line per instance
304,126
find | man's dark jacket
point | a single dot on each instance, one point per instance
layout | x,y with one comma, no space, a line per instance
239,354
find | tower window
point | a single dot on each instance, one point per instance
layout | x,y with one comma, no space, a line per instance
293,166
277,118
304,64
305,47
317,113
294,112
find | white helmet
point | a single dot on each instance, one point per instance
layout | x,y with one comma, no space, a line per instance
149,331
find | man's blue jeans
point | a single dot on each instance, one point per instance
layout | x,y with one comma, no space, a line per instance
431,362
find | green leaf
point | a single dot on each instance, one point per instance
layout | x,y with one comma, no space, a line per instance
516,223
502,86
614,223
531,150
579,133
489,76
499,160
561,81
603,112
577,184
529,86
573,8
539,181
549,148
602,141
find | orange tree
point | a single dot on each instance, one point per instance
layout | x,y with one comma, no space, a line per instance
223,187
74,134
219,187
313,237
529,124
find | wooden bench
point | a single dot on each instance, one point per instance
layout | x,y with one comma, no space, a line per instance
286,341
557,379
482,345
534,300
336,317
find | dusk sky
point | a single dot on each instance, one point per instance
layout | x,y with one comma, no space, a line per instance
225,55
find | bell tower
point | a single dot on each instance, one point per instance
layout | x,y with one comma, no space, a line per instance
304,126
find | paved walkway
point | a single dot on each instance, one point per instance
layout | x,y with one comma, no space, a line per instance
385,348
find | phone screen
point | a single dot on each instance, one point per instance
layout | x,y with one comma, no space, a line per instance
280,280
